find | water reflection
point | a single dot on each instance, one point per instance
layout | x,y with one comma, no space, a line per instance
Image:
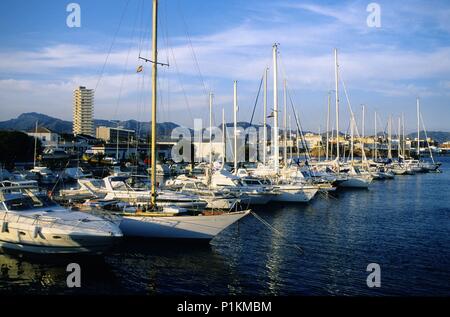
401,224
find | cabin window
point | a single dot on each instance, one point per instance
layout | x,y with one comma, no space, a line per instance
190,186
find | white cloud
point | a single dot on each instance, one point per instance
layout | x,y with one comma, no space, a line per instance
240,52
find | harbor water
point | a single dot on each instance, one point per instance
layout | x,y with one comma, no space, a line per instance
402,224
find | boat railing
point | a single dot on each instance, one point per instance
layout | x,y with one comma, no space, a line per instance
50,222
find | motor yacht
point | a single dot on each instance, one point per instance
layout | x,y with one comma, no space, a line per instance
32,222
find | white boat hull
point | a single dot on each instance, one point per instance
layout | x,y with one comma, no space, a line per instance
179,227
56,232
220,203
295,194
258,199
355,182
399,171
93,247
53,242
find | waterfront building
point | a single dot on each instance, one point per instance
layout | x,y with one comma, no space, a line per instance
311,140
124,151
47,137
114,135
83,108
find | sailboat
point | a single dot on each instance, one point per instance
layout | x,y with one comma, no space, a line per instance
354,178
425,166
167,222
288,189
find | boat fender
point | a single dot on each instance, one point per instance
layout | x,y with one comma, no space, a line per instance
5,226
37,231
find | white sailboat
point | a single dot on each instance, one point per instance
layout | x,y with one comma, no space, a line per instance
426,166
157,224
288,190
353,179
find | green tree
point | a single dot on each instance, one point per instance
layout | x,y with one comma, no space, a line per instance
17,146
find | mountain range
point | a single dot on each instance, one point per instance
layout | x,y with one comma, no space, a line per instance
27,122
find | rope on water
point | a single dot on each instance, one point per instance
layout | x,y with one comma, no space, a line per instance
326,195
272,228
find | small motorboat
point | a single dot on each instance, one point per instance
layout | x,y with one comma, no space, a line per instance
32,222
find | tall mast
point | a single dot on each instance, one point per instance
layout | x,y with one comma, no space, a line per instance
320,142
331,145
223,136
363,121
363,130
389,137
285,122
265,117
235,124
336,78
418,127
210,127
328,125
128,144
403,135
35,144
399,147
351,136
290,139
275,109
154,91
375,140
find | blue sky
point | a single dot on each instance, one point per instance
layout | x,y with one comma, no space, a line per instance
208,44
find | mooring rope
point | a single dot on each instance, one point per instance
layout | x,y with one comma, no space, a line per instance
264,222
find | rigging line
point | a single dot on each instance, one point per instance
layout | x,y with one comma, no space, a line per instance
137,126
275,230
257,97
192,47
181,82
364,158
126,66
112,44
385,127
164,28
143,30
299,125
426,138
166,71
178,74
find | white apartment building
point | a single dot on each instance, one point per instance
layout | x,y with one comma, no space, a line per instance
83,108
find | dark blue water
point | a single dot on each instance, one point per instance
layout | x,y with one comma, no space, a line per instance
401,224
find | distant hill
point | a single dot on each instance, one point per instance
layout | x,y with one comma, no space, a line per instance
438,136
27,122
